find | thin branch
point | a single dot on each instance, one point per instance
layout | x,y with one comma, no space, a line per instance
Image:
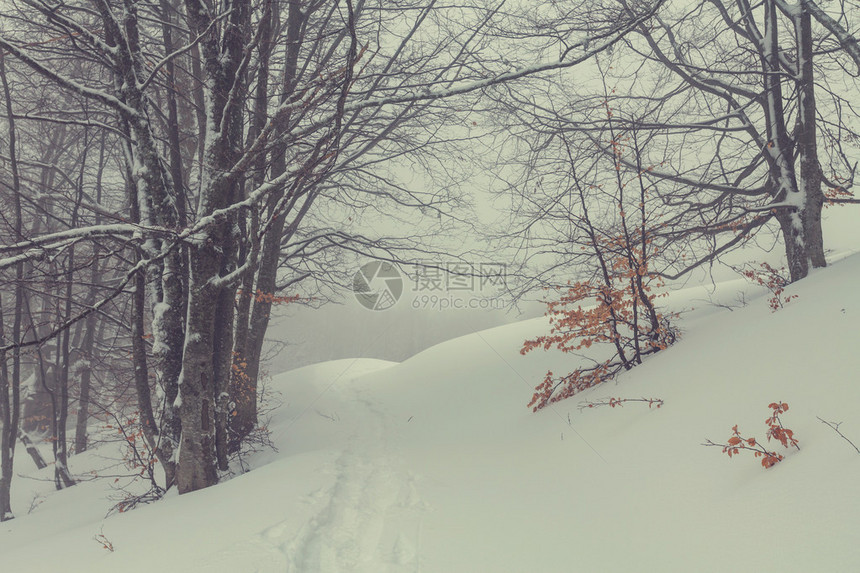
835,427
613,402
175,54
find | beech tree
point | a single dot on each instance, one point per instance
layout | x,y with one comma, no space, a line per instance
772,72
222,169
740,124
715,123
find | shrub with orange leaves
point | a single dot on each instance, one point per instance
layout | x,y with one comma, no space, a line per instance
613,308
775,430
775,280
619,312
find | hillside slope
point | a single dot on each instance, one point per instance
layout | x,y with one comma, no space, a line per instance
436,465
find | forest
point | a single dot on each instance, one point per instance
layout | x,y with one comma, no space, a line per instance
174,173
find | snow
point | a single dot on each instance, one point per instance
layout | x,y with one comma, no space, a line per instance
160,344
435,464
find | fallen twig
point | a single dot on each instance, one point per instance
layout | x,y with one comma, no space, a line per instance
613,402
835,427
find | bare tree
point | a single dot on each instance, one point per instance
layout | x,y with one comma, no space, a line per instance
763,152
245,197
739,128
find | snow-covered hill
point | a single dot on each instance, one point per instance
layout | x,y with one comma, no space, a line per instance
436,465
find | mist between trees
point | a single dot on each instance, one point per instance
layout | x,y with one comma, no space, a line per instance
174,170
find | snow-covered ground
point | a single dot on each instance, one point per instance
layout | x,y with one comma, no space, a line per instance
435,464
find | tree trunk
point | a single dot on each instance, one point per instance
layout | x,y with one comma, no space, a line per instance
197,461
7,438
222,350
86,353
10,389
87,346
807,143
62,477
246,380
779,148
32,450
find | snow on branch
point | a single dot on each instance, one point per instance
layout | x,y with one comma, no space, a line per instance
67,83
38,247
846,40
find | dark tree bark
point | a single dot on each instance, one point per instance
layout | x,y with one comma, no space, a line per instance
255,320
86,347
32,450
208,348
807,140
7,442
10,387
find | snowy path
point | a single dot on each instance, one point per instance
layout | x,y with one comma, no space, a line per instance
369,519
